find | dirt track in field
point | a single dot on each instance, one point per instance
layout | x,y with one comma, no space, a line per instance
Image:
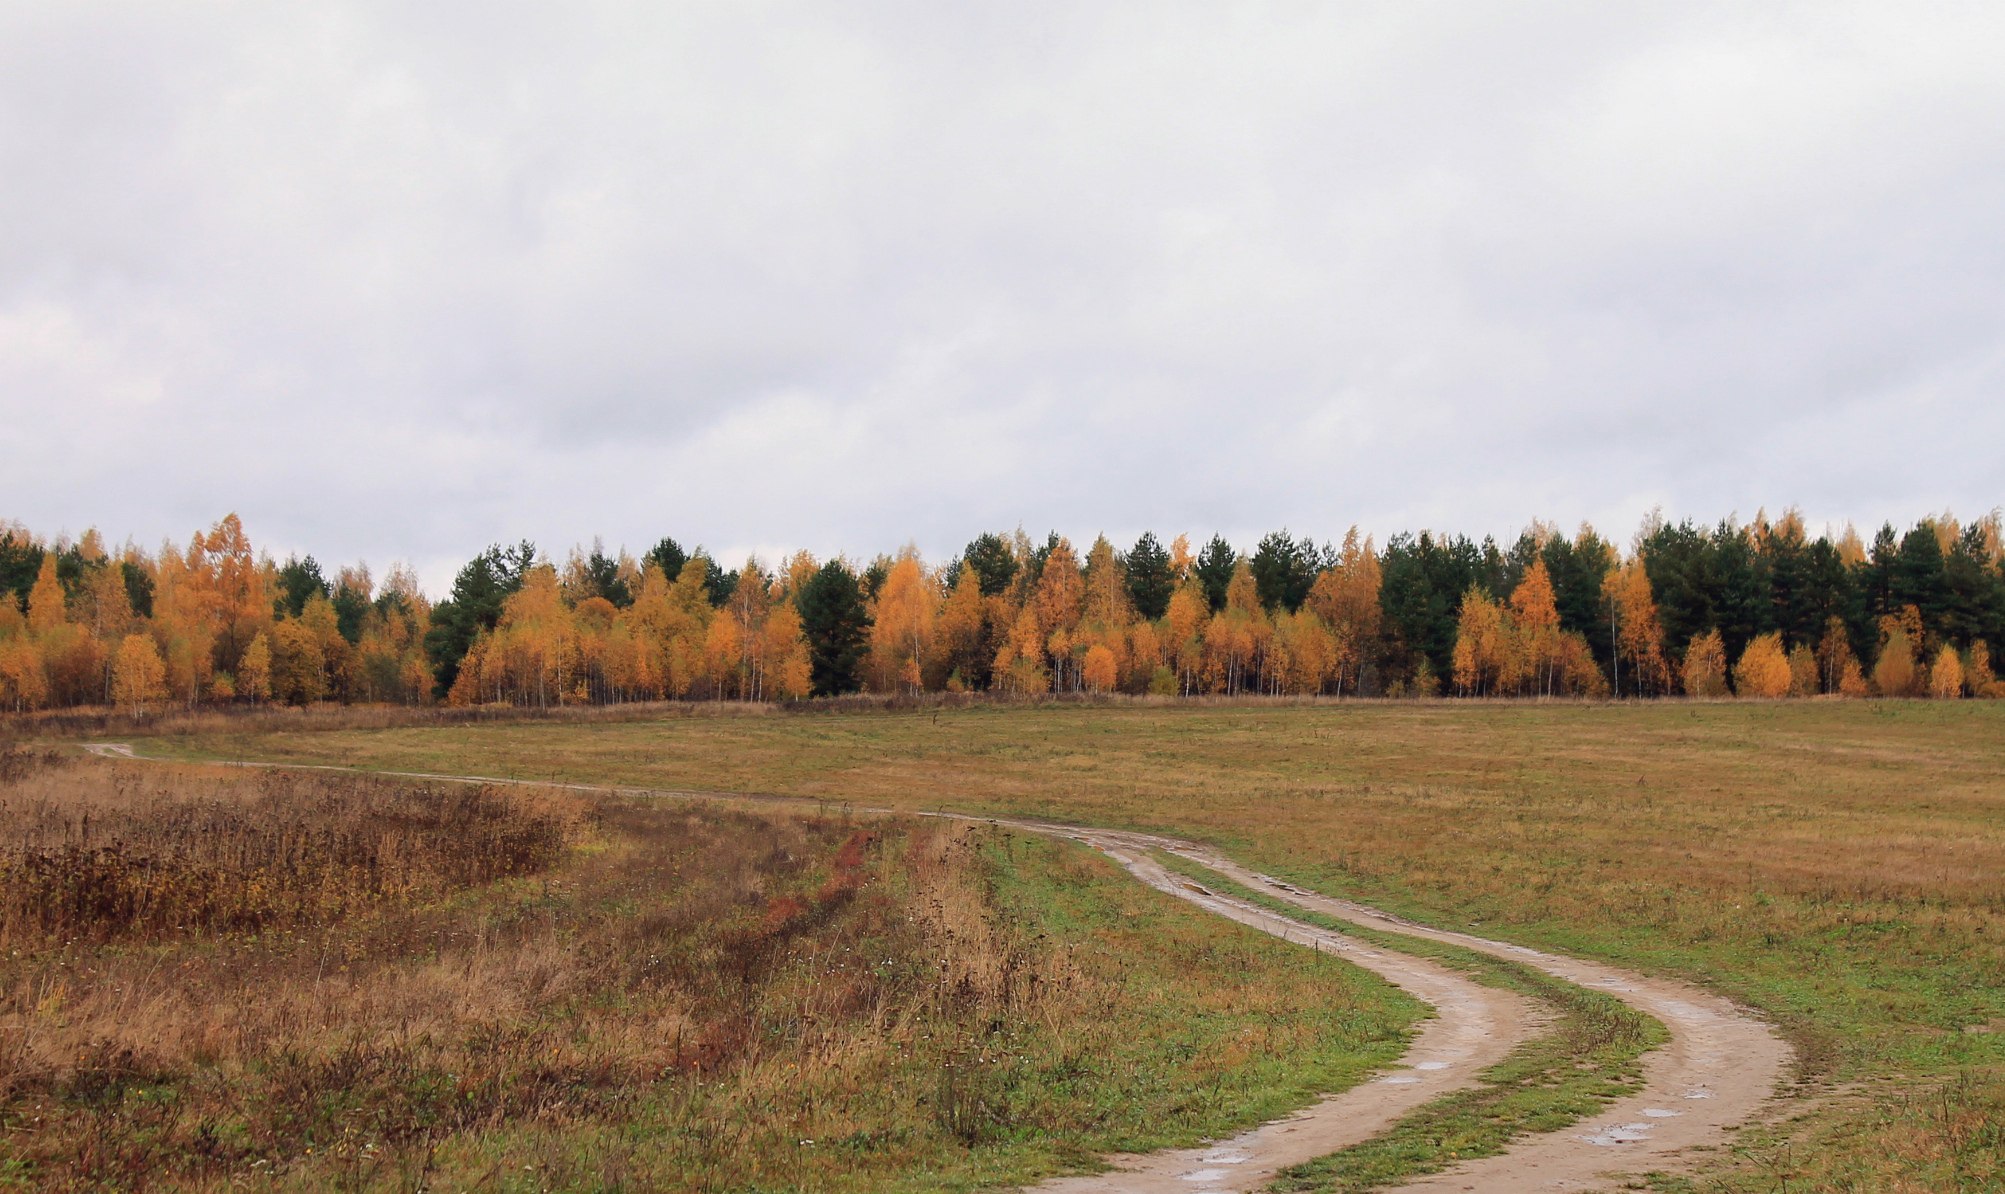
1719,1069
1473,1028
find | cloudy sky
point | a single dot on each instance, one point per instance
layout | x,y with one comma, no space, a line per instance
394,281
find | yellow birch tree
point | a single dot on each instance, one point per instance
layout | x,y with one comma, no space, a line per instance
1639,637
1481,652
1705,668
1535,616
138,674
1345,597
901,630
23,686
254,670
1060,590
1945,677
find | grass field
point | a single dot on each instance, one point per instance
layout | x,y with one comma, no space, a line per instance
218,979
1840,866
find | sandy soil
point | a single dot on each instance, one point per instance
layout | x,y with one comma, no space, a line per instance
1721,1066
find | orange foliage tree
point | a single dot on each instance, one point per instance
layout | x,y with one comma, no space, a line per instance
1183,628
1346,599
1060,591
1945,677
1835,660
1237,635
1639,637
1762,672
1704,671
23,686
1098,670
138,674
1894,671
1481,649
902,626
1535,618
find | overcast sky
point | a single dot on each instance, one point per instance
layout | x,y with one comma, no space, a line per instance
395,281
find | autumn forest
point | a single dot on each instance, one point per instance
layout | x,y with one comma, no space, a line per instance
1755,610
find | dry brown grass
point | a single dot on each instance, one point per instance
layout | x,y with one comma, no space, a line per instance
304,981
157,854
193,958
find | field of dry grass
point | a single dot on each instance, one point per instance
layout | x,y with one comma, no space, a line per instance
1840,866
215,978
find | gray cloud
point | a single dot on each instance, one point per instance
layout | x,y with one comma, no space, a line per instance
396,281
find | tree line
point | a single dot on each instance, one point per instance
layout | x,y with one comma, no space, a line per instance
1759,609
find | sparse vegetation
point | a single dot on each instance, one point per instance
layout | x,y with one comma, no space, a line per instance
305,981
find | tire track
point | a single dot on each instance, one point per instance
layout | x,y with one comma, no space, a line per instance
1720,1067
1473,1027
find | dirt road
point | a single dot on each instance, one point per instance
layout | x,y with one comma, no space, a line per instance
1721,1066
1473,1028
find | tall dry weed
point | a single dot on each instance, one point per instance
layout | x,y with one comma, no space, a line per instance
122,852
213,975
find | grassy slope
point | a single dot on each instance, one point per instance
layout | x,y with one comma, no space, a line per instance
1840,865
